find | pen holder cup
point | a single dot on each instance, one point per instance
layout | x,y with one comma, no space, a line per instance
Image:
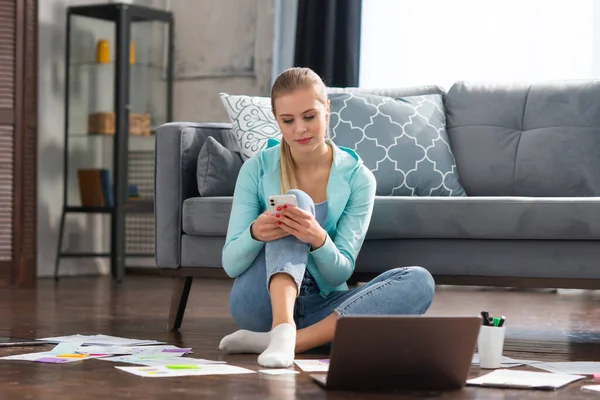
490,344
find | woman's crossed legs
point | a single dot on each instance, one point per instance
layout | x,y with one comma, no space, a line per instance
268,301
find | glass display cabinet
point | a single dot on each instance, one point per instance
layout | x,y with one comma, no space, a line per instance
118,90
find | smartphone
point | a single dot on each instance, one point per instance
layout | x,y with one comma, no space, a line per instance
279,200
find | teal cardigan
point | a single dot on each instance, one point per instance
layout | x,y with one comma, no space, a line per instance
350,197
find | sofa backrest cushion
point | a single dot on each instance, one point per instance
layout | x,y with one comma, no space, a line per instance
403,141
540,140
392,92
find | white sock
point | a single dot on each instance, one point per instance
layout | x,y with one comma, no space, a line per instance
280,353
244,341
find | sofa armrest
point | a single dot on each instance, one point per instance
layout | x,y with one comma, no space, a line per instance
177,147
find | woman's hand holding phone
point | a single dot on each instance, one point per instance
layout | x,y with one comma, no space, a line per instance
302,225
265,228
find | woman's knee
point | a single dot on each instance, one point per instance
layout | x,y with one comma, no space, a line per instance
423,284
305,202
420,284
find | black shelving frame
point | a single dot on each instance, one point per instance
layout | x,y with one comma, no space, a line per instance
123,15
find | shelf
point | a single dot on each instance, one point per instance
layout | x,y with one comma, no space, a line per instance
88,209
142,87
136,142
93,64
141,206
137,206
110,12
82,255
96,135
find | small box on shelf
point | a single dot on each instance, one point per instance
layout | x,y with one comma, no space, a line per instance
103,123
132,192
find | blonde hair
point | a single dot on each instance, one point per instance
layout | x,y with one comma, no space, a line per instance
289,80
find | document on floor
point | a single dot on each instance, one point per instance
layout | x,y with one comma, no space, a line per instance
172,370
570,367
591,388
507,362
182,360
45,357
504,378
278,371
141,358
100,340
122,350
313,365
160,359
61,353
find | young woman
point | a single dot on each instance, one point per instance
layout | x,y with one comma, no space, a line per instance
291,268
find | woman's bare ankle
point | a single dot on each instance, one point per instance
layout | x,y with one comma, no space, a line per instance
301,342
282,321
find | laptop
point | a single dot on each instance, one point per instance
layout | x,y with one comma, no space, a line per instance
389,352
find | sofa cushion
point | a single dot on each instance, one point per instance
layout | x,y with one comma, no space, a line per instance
539,140
403,141
218,169
485,218
442,217
252,120
206,216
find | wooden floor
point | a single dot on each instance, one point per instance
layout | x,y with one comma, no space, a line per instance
563,325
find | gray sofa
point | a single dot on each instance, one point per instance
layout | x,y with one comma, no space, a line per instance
528,156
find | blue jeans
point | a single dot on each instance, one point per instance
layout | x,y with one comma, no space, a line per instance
397,291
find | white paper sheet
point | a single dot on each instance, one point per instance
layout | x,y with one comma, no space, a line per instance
66,348
570,367
100,340
524,379
140,358
507,362
592,388
158,359
121,350
61,353
165,371
48,357
313,365
182,360
278,371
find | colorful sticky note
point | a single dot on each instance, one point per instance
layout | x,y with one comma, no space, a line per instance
183,366
71,355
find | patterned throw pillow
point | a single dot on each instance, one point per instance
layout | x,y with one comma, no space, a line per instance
252,121
402,141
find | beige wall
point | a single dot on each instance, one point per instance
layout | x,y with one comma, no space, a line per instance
224,48
221,46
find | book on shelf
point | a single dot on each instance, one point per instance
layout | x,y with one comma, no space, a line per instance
95,189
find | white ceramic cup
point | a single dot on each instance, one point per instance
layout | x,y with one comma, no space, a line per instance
490,344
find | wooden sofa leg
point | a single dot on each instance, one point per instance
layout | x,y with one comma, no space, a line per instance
181,291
